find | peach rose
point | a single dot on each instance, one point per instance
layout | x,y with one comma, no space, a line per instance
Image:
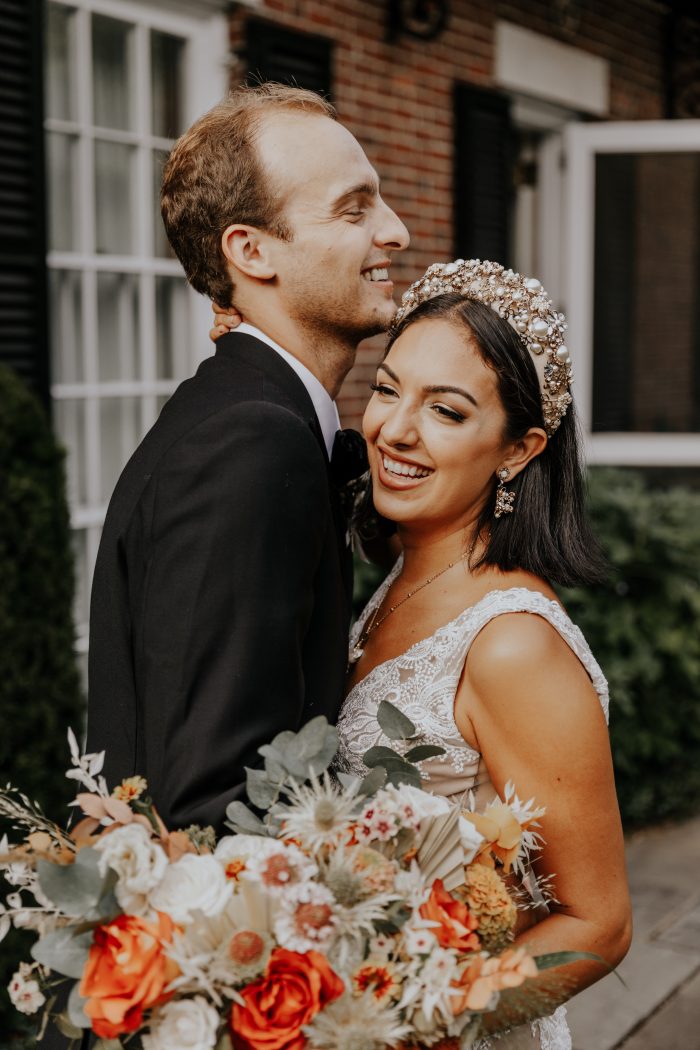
295,988
482,978
126,973
456,922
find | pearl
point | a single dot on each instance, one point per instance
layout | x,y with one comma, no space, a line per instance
563,353
536,348
450,269
538,327
532,284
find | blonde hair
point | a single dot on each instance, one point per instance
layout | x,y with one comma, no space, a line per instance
214,177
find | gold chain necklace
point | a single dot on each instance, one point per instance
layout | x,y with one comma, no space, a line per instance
374,623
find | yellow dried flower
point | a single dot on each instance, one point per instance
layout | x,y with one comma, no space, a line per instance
130,789
488,899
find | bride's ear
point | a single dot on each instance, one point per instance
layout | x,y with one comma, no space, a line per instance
247,249
524,449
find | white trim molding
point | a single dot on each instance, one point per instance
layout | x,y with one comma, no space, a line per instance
582,143
539,66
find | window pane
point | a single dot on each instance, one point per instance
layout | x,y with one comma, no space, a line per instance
161,246
171,328
58,78
82,590
114,198
65,319
111,75
647,312
60,157
69,419
120,432
166,84
117,326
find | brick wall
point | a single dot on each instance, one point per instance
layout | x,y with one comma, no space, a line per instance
397,99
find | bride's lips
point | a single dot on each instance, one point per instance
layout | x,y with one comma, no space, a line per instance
389,478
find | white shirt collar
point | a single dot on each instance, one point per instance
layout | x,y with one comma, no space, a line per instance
325,406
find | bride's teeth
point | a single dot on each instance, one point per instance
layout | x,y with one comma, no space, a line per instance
404,469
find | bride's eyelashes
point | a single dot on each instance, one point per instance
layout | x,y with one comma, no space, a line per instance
449,413
441,410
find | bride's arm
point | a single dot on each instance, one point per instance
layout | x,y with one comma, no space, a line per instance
528,702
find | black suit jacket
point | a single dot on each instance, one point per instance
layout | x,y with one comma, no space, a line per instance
222,590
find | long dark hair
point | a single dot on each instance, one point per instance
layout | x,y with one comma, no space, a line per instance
548,533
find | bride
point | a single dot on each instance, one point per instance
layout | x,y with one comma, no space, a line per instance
472,446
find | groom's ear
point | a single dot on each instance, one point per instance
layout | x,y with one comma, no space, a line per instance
247,248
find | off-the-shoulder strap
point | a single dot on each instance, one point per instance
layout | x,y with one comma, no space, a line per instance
522,599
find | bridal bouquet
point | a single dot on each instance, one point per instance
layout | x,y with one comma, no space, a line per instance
354,915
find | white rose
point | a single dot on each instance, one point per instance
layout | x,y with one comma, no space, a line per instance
239,847
188,1024
193,883
138,861
470,838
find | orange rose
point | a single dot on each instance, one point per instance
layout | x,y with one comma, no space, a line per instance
456,922
295,988
126,973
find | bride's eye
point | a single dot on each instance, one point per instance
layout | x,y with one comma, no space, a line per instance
381,388
449,413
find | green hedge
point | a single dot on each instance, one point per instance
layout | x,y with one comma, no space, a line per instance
39,686
644,628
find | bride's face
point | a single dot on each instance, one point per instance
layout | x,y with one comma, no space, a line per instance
434,428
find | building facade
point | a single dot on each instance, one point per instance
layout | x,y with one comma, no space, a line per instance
561,137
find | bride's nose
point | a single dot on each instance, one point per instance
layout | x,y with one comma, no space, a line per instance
400,428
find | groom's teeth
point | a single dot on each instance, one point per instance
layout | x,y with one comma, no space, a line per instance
376,275
404,469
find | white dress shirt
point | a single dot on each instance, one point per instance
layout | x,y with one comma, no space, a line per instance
325,406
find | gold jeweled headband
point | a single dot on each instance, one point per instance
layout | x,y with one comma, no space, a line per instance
523,303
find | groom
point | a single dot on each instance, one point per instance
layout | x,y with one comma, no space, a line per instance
222,589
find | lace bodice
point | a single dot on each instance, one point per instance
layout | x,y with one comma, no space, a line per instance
422,682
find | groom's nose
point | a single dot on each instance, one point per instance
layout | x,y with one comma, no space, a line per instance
391,232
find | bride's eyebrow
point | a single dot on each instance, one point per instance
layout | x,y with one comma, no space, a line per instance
438,388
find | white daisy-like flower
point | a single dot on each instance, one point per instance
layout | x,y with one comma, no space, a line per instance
418,938
527,815
412,886
414,805
307,918
276,870
318,814
356,1023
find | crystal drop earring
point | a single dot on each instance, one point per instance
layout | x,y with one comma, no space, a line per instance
504,498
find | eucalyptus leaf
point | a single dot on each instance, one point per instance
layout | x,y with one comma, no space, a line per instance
243,820
312,749
348,780
423,751
394,722
374,780
261,791
408,775
380,756
76,1013
275,765
63,951
74,888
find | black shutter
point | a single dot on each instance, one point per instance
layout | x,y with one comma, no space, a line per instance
276,53
23,297
483,187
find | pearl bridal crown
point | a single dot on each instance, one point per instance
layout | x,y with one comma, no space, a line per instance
523,303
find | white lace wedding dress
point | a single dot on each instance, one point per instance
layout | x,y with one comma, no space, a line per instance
422,683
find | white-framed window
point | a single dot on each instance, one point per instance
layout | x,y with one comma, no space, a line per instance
123,80
632,240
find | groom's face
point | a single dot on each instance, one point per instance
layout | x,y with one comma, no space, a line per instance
333,275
